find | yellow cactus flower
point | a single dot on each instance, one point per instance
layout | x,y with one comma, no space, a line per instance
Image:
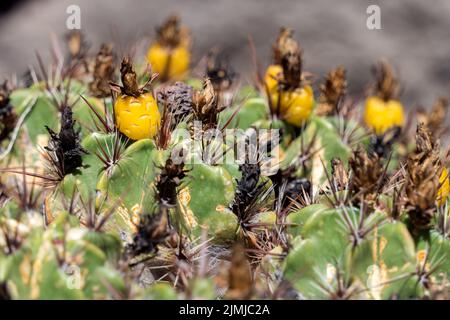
137,118
273,73
296,106
444,190
169,62
382,115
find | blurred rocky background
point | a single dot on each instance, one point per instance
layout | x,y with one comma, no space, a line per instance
414,37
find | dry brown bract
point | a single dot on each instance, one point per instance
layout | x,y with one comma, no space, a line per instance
339,174
422,180
129,79
367,178
130,85
435,120
205,106
332,92
103,72
288,54
171,34
387,86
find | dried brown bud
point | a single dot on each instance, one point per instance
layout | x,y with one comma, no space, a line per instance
387,86
168,181
332,92
103,71
422,180
205,105
171,34
7,115
288,54
152,231
339,173
367,172
205,99
435,119
218,71
129,79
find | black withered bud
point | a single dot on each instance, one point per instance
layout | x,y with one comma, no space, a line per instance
153,230
218,70
7,114
297,188
248,187
66,145
168,181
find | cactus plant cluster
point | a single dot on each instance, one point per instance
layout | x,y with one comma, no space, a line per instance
129,178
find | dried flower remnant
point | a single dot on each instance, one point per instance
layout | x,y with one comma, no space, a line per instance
247,188
339,175
250,200
435,120
219,71
153,230
381,145
332,92
103,72
289,54
7,114
168,181
422,180
387,86
64,151
367,176
206,107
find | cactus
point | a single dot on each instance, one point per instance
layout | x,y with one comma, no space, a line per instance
251,111
205,198
112,191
